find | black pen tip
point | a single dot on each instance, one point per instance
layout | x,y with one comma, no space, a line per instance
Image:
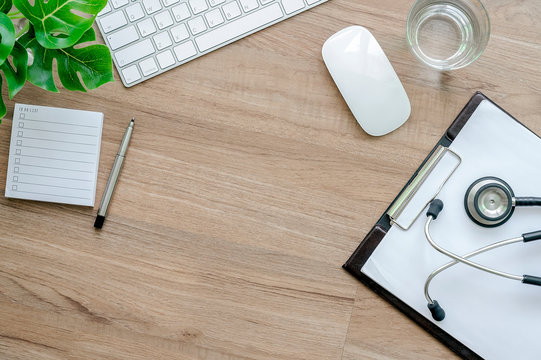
133,120
99,221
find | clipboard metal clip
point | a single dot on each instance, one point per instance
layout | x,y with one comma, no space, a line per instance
409,192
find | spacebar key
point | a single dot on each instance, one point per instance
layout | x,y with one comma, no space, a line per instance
239,27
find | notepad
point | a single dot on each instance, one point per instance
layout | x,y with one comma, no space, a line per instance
54,155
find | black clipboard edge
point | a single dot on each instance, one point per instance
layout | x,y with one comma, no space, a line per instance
367,246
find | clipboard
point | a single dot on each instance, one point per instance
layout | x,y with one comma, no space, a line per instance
369,245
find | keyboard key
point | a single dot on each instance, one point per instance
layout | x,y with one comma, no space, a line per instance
231,10
214,17
216,2
151,6
239,27
180,32
162,40
131,74
113,21
292,5
123,37
184,51
134,52
171,2
165,59
146,27
105,10
197,25
135,12
163,19
118,3
181,12
310,2
249,5
198,6
264,2
148,66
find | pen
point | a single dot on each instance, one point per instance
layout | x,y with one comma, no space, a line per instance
113,176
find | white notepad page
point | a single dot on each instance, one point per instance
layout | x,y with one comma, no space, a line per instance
54,154
495,317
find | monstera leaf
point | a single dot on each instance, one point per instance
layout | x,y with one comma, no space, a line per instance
15,73
7,37
92,62
5,6
58,23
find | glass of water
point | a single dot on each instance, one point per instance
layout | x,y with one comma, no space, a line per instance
448,34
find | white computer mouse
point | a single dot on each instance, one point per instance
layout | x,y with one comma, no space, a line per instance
366,79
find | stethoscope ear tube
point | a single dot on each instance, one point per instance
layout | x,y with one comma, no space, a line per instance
527,201
532,280
531,236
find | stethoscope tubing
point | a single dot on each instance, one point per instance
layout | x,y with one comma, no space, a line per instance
464,260
465,257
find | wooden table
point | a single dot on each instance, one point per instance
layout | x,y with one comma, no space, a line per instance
247,185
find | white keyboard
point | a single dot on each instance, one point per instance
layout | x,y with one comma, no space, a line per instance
149,37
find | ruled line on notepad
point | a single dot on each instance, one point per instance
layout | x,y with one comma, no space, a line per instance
60,132
55,177
57,122
55,168
70,151
55,186
62,141
50,158
56,195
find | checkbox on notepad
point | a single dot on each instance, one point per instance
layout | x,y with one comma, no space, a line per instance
21,116
17,161
19,142
18,151
19,133
15,178
21,124
14,187
16,169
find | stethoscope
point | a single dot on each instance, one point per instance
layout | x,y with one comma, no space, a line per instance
489,202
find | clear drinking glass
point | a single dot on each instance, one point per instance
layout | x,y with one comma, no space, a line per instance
448,34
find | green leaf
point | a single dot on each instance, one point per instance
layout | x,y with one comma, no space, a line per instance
56,24
3,109
16,76
7,37
92,62
5,5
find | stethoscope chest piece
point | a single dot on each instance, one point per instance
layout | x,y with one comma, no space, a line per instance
489,201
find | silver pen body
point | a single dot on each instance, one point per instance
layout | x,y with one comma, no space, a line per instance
113,176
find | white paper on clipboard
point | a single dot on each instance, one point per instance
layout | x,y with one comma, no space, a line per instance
496,318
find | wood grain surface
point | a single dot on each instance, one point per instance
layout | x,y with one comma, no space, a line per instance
248,183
